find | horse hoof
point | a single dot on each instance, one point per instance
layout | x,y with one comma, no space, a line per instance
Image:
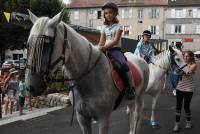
154,124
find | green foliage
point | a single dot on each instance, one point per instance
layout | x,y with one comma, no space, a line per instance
14,35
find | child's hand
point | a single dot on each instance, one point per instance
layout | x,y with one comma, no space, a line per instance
102,48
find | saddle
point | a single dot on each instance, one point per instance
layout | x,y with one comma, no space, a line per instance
118,76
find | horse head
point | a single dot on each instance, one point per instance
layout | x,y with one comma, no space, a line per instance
178,63
45,49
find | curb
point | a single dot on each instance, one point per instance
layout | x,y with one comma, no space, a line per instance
28,115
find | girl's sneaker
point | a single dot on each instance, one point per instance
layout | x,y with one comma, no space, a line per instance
188,125
174,92
176,127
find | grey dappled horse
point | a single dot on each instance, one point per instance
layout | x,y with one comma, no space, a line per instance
53,43
162,64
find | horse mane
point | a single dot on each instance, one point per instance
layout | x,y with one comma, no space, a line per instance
39,25
160,56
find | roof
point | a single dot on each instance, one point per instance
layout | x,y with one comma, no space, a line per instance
120,3
184,2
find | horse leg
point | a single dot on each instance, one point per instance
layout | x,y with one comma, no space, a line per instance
104,125
136,114
153,122
85,123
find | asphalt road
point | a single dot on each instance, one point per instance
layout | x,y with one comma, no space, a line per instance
58,122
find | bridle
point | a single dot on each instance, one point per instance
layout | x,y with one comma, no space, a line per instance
172,64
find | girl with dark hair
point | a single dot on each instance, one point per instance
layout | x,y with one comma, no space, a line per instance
110,41
184,91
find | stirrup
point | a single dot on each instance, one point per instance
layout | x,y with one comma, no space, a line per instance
130,93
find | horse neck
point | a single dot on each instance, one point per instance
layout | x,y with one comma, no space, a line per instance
162,60
80,52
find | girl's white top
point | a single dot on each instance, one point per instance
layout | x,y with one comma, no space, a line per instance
110,32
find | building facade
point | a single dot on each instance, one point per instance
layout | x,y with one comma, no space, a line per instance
183,23
135,16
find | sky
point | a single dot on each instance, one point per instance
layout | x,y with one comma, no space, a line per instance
67,1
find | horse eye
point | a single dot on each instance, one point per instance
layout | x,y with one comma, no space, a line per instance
177,59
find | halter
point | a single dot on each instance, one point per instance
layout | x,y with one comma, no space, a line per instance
172,62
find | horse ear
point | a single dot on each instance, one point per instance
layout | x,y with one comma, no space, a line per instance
57,19
171,50
32,16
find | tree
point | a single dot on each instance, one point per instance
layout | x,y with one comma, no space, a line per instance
14,35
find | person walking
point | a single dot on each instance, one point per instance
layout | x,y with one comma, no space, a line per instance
184,91
12,86
22,94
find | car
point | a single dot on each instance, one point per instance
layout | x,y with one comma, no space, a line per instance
10,63
197,54
23,62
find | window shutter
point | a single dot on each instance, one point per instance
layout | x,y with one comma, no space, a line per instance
157,30
150,14
173,13
195,13
123,30
172,29
95,14
184,13
130,30
157,13
122,13
130,13
183,29
149,28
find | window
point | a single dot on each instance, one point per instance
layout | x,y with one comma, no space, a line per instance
177,29
190,13
198,29
178,13
98,14
198,13
91,11
153,13
127,30
99,28
126,13
90,23
140,13
154,30
76,15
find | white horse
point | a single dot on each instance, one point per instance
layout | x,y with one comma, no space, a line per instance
160,66
53,43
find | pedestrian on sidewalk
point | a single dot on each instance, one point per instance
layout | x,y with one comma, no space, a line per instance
22,94
4,76
12,86
184,91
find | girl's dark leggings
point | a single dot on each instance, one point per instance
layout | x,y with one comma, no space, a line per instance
183,97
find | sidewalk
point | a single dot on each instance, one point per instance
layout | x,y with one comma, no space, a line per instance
9,118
